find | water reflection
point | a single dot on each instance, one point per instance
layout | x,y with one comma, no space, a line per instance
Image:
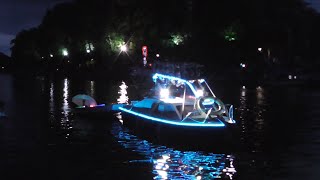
252,117
59,116
242,111
65,104
65,123
92,88
259,108
259,121
255,115
252,108
169,163
51,100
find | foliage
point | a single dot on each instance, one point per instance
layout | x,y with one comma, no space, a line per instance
115,41
230,34
219,29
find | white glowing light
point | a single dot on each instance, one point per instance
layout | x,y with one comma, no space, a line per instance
161,161
172,100
290,77
158,166
165,157
164,93
65,52
243,93
144,61
89,47
157,55
123,99
163,174
123,48
243,65
199,93
259,49
51,55
161,76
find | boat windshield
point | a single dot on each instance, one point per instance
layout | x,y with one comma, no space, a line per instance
173,88
201,88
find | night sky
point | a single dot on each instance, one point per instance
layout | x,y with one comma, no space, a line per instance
315,4
16,15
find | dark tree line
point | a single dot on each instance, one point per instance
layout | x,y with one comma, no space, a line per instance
222,32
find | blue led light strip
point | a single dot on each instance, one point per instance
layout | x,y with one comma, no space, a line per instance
220,124
155,76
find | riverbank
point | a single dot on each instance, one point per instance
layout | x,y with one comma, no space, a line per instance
138,73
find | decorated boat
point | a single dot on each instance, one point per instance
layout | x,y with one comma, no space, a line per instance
178,106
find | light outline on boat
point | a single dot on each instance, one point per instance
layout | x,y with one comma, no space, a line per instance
171,122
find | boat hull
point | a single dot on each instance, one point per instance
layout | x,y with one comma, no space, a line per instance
94,112
186,137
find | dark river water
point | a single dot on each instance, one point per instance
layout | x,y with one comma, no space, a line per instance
42,137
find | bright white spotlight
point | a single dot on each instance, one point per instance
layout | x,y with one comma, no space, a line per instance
164,93
200,92
123,48
65,52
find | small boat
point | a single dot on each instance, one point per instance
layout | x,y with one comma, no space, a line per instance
177,107
86,106
99,111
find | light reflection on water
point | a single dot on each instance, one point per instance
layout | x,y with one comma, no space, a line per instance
251,112
169,163
51,100
259,121
65,105
92,88
63,113
242,111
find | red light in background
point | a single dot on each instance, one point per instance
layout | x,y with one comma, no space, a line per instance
144,51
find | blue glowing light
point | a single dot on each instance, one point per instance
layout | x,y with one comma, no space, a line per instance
100,105
172,78
208,101
216,124
177,164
